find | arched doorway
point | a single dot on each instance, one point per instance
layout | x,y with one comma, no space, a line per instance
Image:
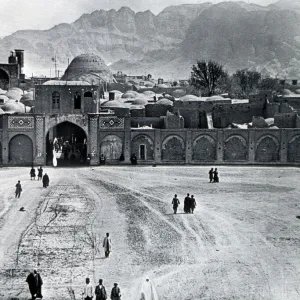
69,142
21,150
4,80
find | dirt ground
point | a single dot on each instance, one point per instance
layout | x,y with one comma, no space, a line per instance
242,242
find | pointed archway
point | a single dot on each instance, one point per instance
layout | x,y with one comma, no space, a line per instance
4,79
68,142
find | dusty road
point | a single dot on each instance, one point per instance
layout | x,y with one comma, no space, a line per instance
242,242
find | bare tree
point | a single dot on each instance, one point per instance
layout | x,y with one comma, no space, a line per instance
208,76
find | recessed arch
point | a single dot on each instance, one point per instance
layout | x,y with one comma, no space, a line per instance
204,148
267,149
21,150
236,148
173,148
143,147
293,153
111,147
4,79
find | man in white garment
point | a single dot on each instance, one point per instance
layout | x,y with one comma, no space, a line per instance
88,291
148,291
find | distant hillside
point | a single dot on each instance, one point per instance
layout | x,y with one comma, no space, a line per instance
235,33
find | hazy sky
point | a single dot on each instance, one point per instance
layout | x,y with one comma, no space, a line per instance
44,14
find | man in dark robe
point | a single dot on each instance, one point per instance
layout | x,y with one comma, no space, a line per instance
18,189
186,206
102,159
32,173
107,245
35,283
46,180
211,174
175,203
216,177
100,291
115,293
40,173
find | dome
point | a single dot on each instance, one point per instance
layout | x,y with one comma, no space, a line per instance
214,98
190,98
149,93
27,96
88,67
13,106
163,85
140,101
165,102
287,92
11,94
167,96
297,91
17,90
130,94
178,93
112,103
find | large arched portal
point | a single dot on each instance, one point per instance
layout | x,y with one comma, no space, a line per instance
4,80
68,142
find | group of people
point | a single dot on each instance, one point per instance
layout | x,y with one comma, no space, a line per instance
100,291
213,175
189,204
45,179
148,291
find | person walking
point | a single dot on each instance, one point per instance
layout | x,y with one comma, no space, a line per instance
18,189
216,177
40,173
100,291
46,180
88,290
193,204
115,293
186,206
107,245
32,173
211,175
35,283
175,203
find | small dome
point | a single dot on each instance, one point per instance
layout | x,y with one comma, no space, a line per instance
130,94
178,93
214,98
112,103
163,85
27,96
297,91
287,92
165,102
149,93
17,90
140,101
2,92
14,95
13,106
167,96
190,98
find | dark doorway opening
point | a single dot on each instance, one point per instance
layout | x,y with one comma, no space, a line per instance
4,80
68,143
142,152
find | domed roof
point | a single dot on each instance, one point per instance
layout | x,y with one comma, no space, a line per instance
27,96
287,92
149,93
167,96
214,98
16,89
165,102
13,106
190,98
88,67
297,91
11,94
2,92
112,103
130,94
4,98
178,93
140,101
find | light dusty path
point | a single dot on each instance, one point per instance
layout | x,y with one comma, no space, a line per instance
241,243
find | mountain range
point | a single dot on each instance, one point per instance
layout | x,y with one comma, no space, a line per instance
236,34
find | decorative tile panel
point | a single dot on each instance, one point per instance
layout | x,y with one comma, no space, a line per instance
39,128
111,122
20,122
